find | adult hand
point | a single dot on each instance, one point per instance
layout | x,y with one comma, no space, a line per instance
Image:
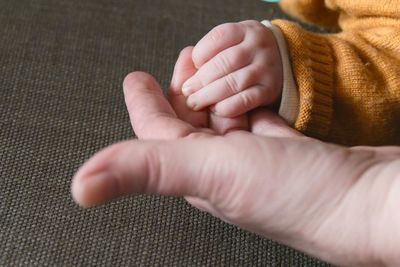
335,203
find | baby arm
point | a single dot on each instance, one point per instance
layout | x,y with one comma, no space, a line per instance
348,82
239,69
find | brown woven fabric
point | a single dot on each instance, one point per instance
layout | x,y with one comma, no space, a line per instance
61,68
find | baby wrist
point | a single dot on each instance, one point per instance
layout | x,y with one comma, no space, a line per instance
289,106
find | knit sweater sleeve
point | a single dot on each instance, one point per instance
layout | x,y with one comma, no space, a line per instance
349,82
311,11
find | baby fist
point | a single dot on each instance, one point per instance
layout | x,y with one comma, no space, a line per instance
239,69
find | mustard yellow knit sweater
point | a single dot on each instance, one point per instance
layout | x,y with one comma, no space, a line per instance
349,82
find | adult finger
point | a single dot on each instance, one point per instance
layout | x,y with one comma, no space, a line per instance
224,125
217,40
146,167
184,69
267,123
151,115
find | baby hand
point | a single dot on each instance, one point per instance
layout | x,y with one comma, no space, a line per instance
239,69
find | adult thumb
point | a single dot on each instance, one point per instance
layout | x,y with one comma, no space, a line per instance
177,168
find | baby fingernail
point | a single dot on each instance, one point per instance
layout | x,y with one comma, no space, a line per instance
186,89
191,103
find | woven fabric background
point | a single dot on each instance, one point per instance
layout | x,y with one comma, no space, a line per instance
61,68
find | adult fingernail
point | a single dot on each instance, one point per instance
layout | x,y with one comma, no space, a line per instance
94,190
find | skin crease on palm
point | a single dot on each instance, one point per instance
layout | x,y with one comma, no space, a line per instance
338,204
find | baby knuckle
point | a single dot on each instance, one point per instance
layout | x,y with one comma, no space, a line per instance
232,84
250,23
221,31
217,34
246,101
257,27
222,64
226,31
230,26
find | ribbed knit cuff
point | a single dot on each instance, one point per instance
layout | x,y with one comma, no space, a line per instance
313,68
